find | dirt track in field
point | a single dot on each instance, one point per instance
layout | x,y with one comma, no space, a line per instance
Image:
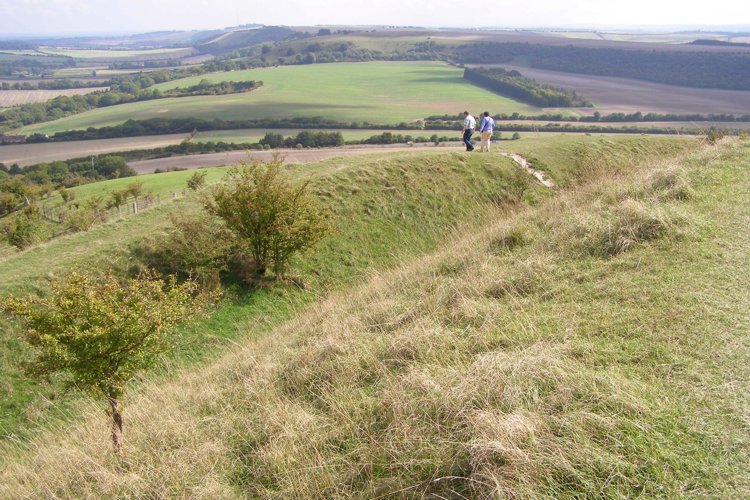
289,155
10,98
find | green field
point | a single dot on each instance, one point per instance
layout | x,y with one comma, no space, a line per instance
378,93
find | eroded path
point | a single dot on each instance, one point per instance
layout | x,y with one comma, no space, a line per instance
524,163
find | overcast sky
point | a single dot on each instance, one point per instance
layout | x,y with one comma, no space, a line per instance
133,16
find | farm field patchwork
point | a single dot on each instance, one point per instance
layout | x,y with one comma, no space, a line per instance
379,93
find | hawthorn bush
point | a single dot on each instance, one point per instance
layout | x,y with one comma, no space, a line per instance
269,218
98,332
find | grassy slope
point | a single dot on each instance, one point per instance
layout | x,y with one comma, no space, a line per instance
388,207
376,92
525,359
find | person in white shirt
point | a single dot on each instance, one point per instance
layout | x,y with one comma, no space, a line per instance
486,128
469,125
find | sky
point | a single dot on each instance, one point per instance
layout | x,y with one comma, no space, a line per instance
138,16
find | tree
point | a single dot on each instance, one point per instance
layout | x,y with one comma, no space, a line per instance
117,199
134,189
113,167
99,332
270,218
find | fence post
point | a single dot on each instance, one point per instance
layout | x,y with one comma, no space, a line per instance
135,207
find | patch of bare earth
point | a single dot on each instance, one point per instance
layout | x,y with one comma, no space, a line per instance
10,98
622,95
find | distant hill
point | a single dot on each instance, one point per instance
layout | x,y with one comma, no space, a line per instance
719,43
244,38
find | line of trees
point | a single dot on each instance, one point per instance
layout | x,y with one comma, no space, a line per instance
513,84
598,117
20,186
306,138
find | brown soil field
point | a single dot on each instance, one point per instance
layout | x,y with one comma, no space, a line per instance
30,154
622,95
10,98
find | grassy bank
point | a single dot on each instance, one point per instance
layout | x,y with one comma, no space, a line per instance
593,345
387,208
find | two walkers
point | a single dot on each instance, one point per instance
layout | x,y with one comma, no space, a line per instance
486,127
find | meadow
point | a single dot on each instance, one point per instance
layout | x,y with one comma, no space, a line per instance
377,92
466,333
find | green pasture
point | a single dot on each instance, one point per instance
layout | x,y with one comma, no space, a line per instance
162,184
377,92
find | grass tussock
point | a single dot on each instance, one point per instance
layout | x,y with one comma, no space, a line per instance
610,218
574,378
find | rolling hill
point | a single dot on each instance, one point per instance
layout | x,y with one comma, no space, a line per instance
379,93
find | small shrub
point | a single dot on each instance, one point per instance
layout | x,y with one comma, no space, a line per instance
66,194
197,246
25,229
84,217
713,136
197,180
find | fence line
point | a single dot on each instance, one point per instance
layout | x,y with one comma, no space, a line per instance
130,207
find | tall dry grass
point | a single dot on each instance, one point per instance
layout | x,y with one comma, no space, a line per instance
473,372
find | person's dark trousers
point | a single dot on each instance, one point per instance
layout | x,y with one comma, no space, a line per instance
467,139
